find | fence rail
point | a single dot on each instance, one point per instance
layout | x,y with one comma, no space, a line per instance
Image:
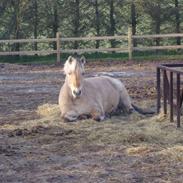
158,36
5,53
28,40
58,40
95,38
158,48
94,50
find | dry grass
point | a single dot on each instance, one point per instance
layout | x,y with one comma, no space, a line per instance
47,110
139,150
131,129
146,145
173,153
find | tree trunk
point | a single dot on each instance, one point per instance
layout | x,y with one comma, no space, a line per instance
177,16
112,23
97,23
35,23
133,22
55,23
158,24
3,6
157,29
76,23
17,23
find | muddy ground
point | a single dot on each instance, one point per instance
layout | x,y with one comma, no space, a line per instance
38,147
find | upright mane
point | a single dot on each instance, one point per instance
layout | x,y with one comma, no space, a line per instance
74,64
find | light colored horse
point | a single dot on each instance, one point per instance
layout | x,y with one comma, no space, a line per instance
94,97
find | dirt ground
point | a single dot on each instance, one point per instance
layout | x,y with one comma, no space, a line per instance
36,146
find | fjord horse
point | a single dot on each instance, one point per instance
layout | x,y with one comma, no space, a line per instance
94,97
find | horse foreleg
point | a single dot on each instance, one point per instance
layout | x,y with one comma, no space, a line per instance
98,115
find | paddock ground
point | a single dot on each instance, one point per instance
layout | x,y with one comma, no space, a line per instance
36,146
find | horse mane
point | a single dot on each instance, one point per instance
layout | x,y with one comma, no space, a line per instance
72,64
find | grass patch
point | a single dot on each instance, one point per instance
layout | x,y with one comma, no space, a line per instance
139,56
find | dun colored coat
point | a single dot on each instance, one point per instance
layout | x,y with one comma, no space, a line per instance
94,97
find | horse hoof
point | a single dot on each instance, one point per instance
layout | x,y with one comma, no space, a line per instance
84,117
131,110
69,119
99,118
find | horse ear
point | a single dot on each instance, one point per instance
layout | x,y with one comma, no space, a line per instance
83,60
70,59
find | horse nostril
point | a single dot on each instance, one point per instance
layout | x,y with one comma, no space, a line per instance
77,93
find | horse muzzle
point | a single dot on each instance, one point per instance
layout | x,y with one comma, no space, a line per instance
76,93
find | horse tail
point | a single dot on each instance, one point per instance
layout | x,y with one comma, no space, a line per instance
143,111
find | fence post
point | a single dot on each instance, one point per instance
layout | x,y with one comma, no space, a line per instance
158,80
130,44
58,47
178,101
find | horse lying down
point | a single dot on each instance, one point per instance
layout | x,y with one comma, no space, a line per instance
94,97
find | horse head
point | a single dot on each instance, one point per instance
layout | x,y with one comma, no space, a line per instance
74,70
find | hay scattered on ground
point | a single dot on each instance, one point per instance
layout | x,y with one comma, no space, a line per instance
129,129
139,150
47,110
173,153
125,143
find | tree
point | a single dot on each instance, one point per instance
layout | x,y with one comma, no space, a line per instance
154,10
19,8
112,22
52,17
76,22
17,11
35,11
159,11
76,18
6,19
97,22
177,17
55,21
3,6
133,21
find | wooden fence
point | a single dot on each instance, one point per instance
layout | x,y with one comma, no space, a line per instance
125,49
